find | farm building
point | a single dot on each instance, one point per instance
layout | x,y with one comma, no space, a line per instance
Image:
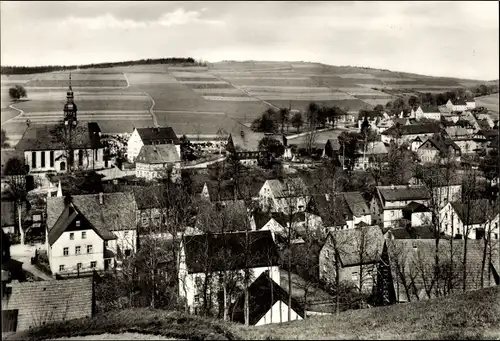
154,161
151,136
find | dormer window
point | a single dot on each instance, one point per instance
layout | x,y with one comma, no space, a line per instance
77,223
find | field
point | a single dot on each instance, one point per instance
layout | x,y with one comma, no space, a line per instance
490,102
474,316
186,98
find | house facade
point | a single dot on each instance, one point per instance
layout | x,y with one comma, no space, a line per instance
150,136
434,150
284,196
203,264
155,161
458,104
387,206
408,133
430,113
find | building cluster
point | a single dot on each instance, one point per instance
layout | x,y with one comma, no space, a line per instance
386,244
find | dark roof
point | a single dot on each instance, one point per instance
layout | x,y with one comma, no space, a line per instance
262,218
281,188
351,241
490,133
414,129
44,138
414,207
400,193
147,197
411,257
495,142
356,203
159,135
55,300
333,144
441,144
475,214
430,109
117,212
161,153
204,252
224,192
333,211
8,213
67,217
263,293
412,232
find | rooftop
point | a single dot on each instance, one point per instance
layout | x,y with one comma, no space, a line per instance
158,135
403,193
160,153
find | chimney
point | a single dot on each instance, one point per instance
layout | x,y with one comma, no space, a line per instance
101,198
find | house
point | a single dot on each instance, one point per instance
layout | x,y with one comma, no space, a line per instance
387,205
33,304
446,185
470,103
458,218
435,149
417,214
287,196
45,152
374,153
246,149
278,223
487,118
408,133
458,104
205,257
457,132
410,232
90,232
156,161
406,271
428,112
268,303
331,148
151,136
358,252
351,209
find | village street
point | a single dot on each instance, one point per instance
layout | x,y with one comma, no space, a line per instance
23,253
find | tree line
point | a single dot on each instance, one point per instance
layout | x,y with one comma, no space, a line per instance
19,70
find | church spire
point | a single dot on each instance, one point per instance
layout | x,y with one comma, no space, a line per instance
70,109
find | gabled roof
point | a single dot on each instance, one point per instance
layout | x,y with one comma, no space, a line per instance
262,218
158,135
414,129
333,144
359,245
475,214
43,137
403,193
374,148
430,109
413,232
61,300
356,203
456,131
442,145
160,153
117,212
263,294
333,209
287,188
206,252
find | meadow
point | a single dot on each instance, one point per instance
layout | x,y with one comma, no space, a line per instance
490,102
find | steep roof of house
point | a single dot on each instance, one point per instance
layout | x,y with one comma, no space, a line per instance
356,203
117,212
359,245
440,144
51,301
44,137
159,153
262,218
334,210
399,193
456,131
474,214
437,176
334,144
158,135
280,188
415,207
411,257
205,252
414,129
430,109
263,294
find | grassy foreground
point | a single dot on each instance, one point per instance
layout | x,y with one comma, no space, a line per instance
474,315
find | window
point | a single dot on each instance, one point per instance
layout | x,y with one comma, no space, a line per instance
78,223
198,281
354,276
77,250
496,235
61,267
128,252
446,216
37,217
125,234
93,264
84,235
80,157
51,158
66,251
33,159
71,236
446,227
42,159
79,266
327,254
392,213
89,248
196,298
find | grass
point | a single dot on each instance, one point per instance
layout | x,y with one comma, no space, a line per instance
490,102
77,83
86,105
474,315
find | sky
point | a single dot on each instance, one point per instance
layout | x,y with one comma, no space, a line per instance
449,38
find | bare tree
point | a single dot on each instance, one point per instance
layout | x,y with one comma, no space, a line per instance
16,185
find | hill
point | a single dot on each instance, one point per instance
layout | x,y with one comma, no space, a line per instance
474,315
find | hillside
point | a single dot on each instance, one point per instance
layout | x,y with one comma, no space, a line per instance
203,100
474,315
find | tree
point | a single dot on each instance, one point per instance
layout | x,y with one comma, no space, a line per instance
15,166
297,121
16,187
187,150
17,92
71,138
284,117
266,122
3,135
378,109
348,147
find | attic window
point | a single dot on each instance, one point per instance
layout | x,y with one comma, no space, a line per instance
78,223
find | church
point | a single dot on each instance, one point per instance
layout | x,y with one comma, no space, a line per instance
66,146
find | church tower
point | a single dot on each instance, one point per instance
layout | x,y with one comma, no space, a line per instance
70,107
